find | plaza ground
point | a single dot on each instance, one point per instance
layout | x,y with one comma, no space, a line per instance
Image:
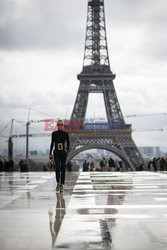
98,210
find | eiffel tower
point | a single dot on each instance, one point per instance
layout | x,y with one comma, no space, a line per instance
97,77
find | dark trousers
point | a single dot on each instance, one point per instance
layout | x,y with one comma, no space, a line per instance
60,165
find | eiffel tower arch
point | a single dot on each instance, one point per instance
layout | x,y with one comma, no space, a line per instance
97,77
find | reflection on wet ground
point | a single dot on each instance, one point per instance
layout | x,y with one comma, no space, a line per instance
117,211
56,219
31,212
120,211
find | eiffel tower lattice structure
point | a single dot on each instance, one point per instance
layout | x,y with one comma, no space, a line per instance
97,77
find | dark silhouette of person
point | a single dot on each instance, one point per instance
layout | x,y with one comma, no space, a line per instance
85,166
155,160
163,164
111,163
23,166
6,165
141,167
11,165
69,166
120,165
103,164
149,165
58,141
1,165
92,166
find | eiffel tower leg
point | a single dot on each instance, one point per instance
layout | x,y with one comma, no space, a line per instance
132,153
135,156
112,106
80,106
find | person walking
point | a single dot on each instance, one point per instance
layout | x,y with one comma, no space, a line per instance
111,164
85,166
1,165
103,164
61,143
69,166
92,166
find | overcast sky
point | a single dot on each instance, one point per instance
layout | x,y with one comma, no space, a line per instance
41,53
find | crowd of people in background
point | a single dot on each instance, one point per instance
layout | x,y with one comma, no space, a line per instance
157,164
104,165
6,165
154,164
9,166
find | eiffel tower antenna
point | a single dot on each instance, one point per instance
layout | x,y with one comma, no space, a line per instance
96,50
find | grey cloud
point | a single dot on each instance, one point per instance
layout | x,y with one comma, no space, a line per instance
40,24
15,100
60,24
149,17
154,45
149,12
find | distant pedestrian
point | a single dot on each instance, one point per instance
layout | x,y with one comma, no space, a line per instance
163,164
103,164
149,165
1,165
6,165
69,166
111,163
23,166
92,166
141,167
11,165
85,166
155,160
120,166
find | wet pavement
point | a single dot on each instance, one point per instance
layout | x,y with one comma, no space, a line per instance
98,210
